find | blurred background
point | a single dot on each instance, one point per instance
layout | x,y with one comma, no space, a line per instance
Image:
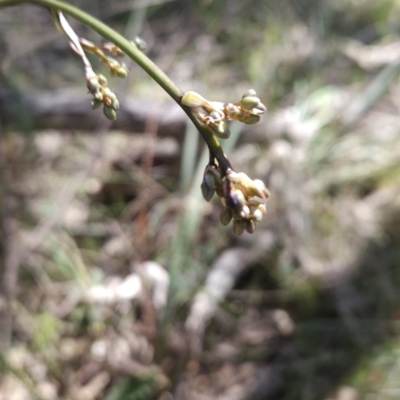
118,281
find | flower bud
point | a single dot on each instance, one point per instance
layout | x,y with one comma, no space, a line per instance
140,43
233,111
107,92
209,179
250,226
207,191
193,99
259,110
244,183
93,84
245,212
259,184
226,216
98,96
115,104
110,99
238,227
112,64
250,119
121,71
217,174
96,103
258,215
113,49
249,93
110,113
235,200
221,130
250,102
102,80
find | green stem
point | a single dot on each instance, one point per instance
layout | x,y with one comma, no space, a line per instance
140,58
210,139
108,33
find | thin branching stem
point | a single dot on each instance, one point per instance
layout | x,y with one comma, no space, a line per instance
140,58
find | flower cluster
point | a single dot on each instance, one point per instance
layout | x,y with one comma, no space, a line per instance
212,113
97,86
96,83
244,199
248,110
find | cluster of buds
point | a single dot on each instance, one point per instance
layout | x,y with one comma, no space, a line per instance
96,83
248,110
243,198
102,95
115,67
213,113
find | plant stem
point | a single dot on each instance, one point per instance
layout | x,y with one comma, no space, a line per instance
110,34
140,58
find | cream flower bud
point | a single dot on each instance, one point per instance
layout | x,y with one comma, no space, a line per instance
98,96
112,64
235,200
260,185
258,215
102,80
244,183
93,84
121,71
245,212
115,104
